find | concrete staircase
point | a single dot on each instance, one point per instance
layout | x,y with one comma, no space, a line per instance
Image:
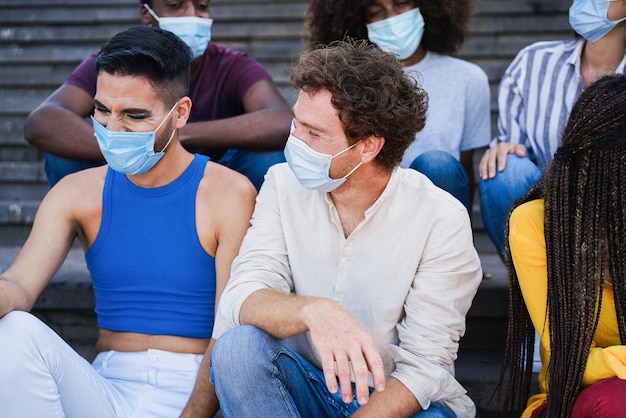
42,41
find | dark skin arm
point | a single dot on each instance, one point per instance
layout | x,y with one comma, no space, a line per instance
58,126
467,161
264,126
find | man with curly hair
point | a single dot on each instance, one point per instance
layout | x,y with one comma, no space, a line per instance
423,34
350,291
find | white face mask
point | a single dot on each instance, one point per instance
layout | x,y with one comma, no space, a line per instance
194,31
400,34
310,167
589,18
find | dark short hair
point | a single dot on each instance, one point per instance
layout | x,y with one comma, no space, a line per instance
371,92
150,52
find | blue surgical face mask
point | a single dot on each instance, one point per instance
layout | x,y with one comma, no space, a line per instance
194,31
589,18
129,152
400,34
310,167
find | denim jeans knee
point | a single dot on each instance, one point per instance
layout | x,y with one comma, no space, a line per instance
446,172
498,194
252,164
58,167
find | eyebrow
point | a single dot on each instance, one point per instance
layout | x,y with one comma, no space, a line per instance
145,112
308,125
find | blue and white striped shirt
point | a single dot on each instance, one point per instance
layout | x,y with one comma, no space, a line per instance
537,93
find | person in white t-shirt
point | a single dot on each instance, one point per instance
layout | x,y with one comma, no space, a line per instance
423,34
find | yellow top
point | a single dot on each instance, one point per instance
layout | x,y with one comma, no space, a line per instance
528,249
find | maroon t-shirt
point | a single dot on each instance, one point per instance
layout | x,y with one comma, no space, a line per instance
217,87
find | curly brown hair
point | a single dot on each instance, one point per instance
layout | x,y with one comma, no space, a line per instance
371,92
446,22
584,190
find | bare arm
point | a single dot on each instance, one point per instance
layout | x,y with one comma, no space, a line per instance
58,126
45,249
234,219
394,402
264,126
340,340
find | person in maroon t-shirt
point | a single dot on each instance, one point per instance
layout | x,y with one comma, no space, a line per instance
239,118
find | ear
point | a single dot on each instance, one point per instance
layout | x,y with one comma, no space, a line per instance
146,17
371,147
182,112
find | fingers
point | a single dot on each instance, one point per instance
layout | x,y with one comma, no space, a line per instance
361,374
495,157
355,367
375,366
328,368
487,165
345,378
502,153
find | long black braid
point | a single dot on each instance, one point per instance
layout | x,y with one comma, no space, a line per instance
584,192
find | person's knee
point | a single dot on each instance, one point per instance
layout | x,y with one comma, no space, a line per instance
20,328
519,173
233,345
602,399
18,323
434,162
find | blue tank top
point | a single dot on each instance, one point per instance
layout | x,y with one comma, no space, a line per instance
150,274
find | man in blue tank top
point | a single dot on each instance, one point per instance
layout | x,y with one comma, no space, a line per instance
160,227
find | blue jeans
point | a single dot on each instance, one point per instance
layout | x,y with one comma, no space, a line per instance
256,375
498,194
446,172
252,164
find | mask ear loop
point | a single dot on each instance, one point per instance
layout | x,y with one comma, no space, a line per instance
161,124
345,150
149,9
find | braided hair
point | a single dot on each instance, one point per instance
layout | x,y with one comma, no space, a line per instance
584,192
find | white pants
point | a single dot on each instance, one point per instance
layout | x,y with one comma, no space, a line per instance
41,376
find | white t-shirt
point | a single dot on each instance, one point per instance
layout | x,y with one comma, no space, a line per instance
458,117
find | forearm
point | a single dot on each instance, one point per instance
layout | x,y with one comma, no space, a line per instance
280,314
203,400
61,132
394,402
263,130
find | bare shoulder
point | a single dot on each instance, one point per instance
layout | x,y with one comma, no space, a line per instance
85,184
224,205
224,185
80,193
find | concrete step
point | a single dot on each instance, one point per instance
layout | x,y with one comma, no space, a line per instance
23,185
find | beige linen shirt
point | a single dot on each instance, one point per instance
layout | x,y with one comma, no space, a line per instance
408,273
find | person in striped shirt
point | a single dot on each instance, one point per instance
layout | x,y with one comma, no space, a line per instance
535,97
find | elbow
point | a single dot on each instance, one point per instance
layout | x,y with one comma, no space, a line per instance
31,128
